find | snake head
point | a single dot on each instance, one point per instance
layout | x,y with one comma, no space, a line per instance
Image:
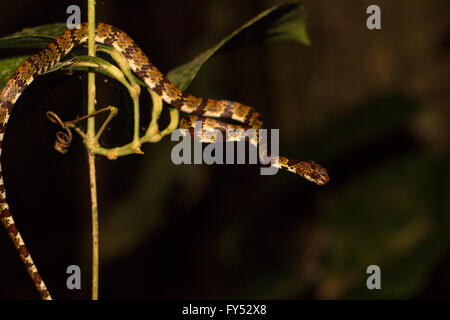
313,172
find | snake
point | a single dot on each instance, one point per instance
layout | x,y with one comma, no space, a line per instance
198,109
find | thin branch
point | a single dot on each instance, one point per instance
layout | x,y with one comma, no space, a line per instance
91,137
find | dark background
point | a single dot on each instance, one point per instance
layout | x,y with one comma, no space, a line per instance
371,106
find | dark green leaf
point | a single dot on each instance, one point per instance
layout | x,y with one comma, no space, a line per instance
37,37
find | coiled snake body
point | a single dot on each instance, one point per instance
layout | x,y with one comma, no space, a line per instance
139,63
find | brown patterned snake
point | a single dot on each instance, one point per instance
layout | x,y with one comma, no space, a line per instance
139,63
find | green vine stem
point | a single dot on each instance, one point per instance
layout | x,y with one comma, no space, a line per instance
91,137
131,83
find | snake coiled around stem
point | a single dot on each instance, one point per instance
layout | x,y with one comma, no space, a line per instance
197,108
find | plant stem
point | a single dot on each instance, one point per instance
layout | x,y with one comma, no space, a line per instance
91,156
94,209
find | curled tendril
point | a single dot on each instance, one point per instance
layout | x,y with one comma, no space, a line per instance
63,138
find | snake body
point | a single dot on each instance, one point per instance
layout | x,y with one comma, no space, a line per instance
198,108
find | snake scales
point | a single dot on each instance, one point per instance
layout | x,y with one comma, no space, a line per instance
198,108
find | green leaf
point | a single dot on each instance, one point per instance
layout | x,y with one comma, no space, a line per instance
37,37
8,66
285,22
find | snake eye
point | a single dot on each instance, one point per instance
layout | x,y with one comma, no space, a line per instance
313,166
315,176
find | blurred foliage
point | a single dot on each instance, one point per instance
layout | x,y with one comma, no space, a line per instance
402,226
392,213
